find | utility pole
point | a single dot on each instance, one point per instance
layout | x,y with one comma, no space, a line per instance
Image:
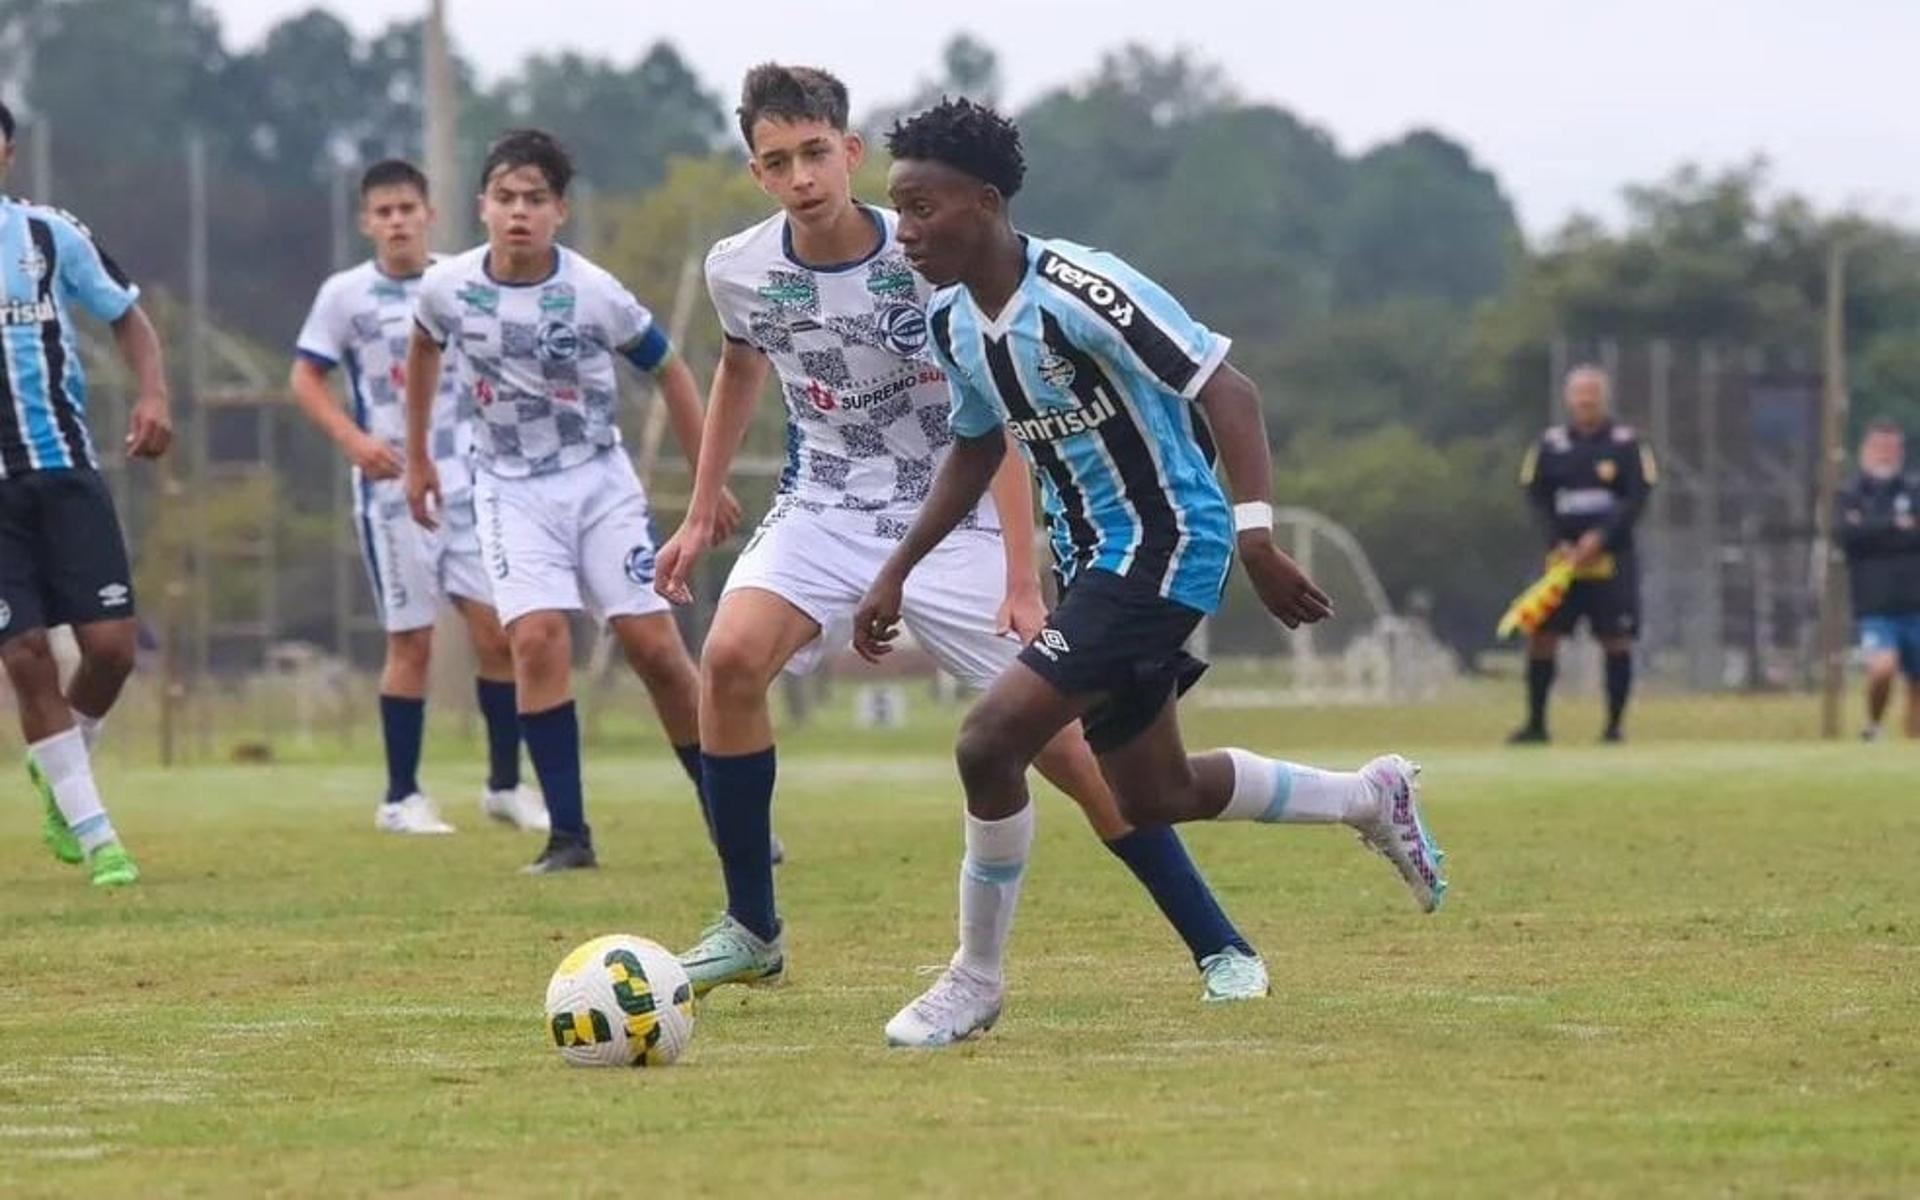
1833,453
442,138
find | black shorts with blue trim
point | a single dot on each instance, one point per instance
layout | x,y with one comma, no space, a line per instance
1122,640
62,559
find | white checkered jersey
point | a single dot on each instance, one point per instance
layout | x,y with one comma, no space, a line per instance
539,357
361,321
866,406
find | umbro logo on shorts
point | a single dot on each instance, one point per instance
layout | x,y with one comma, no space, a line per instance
114,595
1052,643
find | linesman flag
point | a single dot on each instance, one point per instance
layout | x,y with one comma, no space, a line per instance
1541,600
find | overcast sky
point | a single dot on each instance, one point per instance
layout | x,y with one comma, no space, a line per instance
1564,101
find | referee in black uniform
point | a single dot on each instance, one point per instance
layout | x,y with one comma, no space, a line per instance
1587,481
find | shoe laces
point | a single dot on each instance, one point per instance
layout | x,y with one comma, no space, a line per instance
954,990
1231,970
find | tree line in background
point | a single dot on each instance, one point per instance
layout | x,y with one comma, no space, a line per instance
1386,301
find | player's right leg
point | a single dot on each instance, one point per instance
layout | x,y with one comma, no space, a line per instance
63,561
1002,735
399,566
790,591
58,758
754,634
1880,648
1543,649
529,543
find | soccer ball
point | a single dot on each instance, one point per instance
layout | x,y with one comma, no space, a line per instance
620,1001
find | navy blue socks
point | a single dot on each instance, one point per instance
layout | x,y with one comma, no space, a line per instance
739,798
402,722
1159,860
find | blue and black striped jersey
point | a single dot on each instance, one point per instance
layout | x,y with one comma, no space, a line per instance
1094,368
49,263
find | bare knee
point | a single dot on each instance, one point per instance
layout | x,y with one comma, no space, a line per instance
987,752
30,663
1542,647
541,641
654,650
410,650
734,670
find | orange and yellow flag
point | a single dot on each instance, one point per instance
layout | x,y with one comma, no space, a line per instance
1541,599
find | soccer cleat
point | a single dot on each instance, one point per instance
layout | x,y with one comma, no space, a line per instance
961,1004
1871,733
414,815
729,952
564,852
1232,975
519,806
112,867
1613,735
53,826
1529,735
1397,833
778,851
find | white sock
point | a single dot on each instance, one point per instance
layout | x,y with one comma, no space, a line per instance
1271,791
990,889
63,760
89,728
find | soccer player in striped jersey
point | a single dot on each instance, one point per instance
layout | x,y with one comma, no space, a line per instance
362,320
1118,398
63,560
820,297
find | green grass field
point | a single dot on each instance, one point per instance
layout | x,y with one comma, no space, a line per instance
1689,966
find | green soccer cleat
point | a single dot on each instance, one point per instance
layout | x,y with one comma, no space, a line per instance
53,827
729,952
1233,975
113,867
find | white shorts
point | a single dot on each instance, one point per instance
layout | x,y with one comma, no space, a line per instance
414,570
576,539
822,564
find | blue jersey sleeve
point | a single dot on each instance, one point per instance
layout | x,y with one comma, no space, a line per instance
88,276
1133,321
974,412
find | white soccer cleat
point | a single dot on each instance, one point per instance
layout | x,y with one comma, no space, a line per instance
519,806
959,1005
414,815
1398,834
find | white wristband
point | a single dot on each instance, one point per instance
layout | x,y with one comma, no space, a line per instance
1254,514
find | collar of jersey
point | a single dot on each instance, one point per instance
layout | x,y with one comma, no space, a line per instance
486,268
879,227
997,328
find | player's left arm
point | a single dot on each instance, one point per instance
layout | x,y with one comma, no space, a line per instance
90,278
652,353
1023,611
1636,483
150,425
1232,407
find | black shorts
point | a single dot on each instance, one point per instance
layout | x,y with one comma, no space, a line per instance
1610,607
1124,641
62,559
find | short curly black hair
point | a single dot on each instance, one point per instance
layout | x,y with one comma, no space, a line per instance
967,136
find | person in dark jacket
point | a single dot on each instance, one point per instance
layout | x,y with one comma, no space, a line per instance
1879,515
1588,481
